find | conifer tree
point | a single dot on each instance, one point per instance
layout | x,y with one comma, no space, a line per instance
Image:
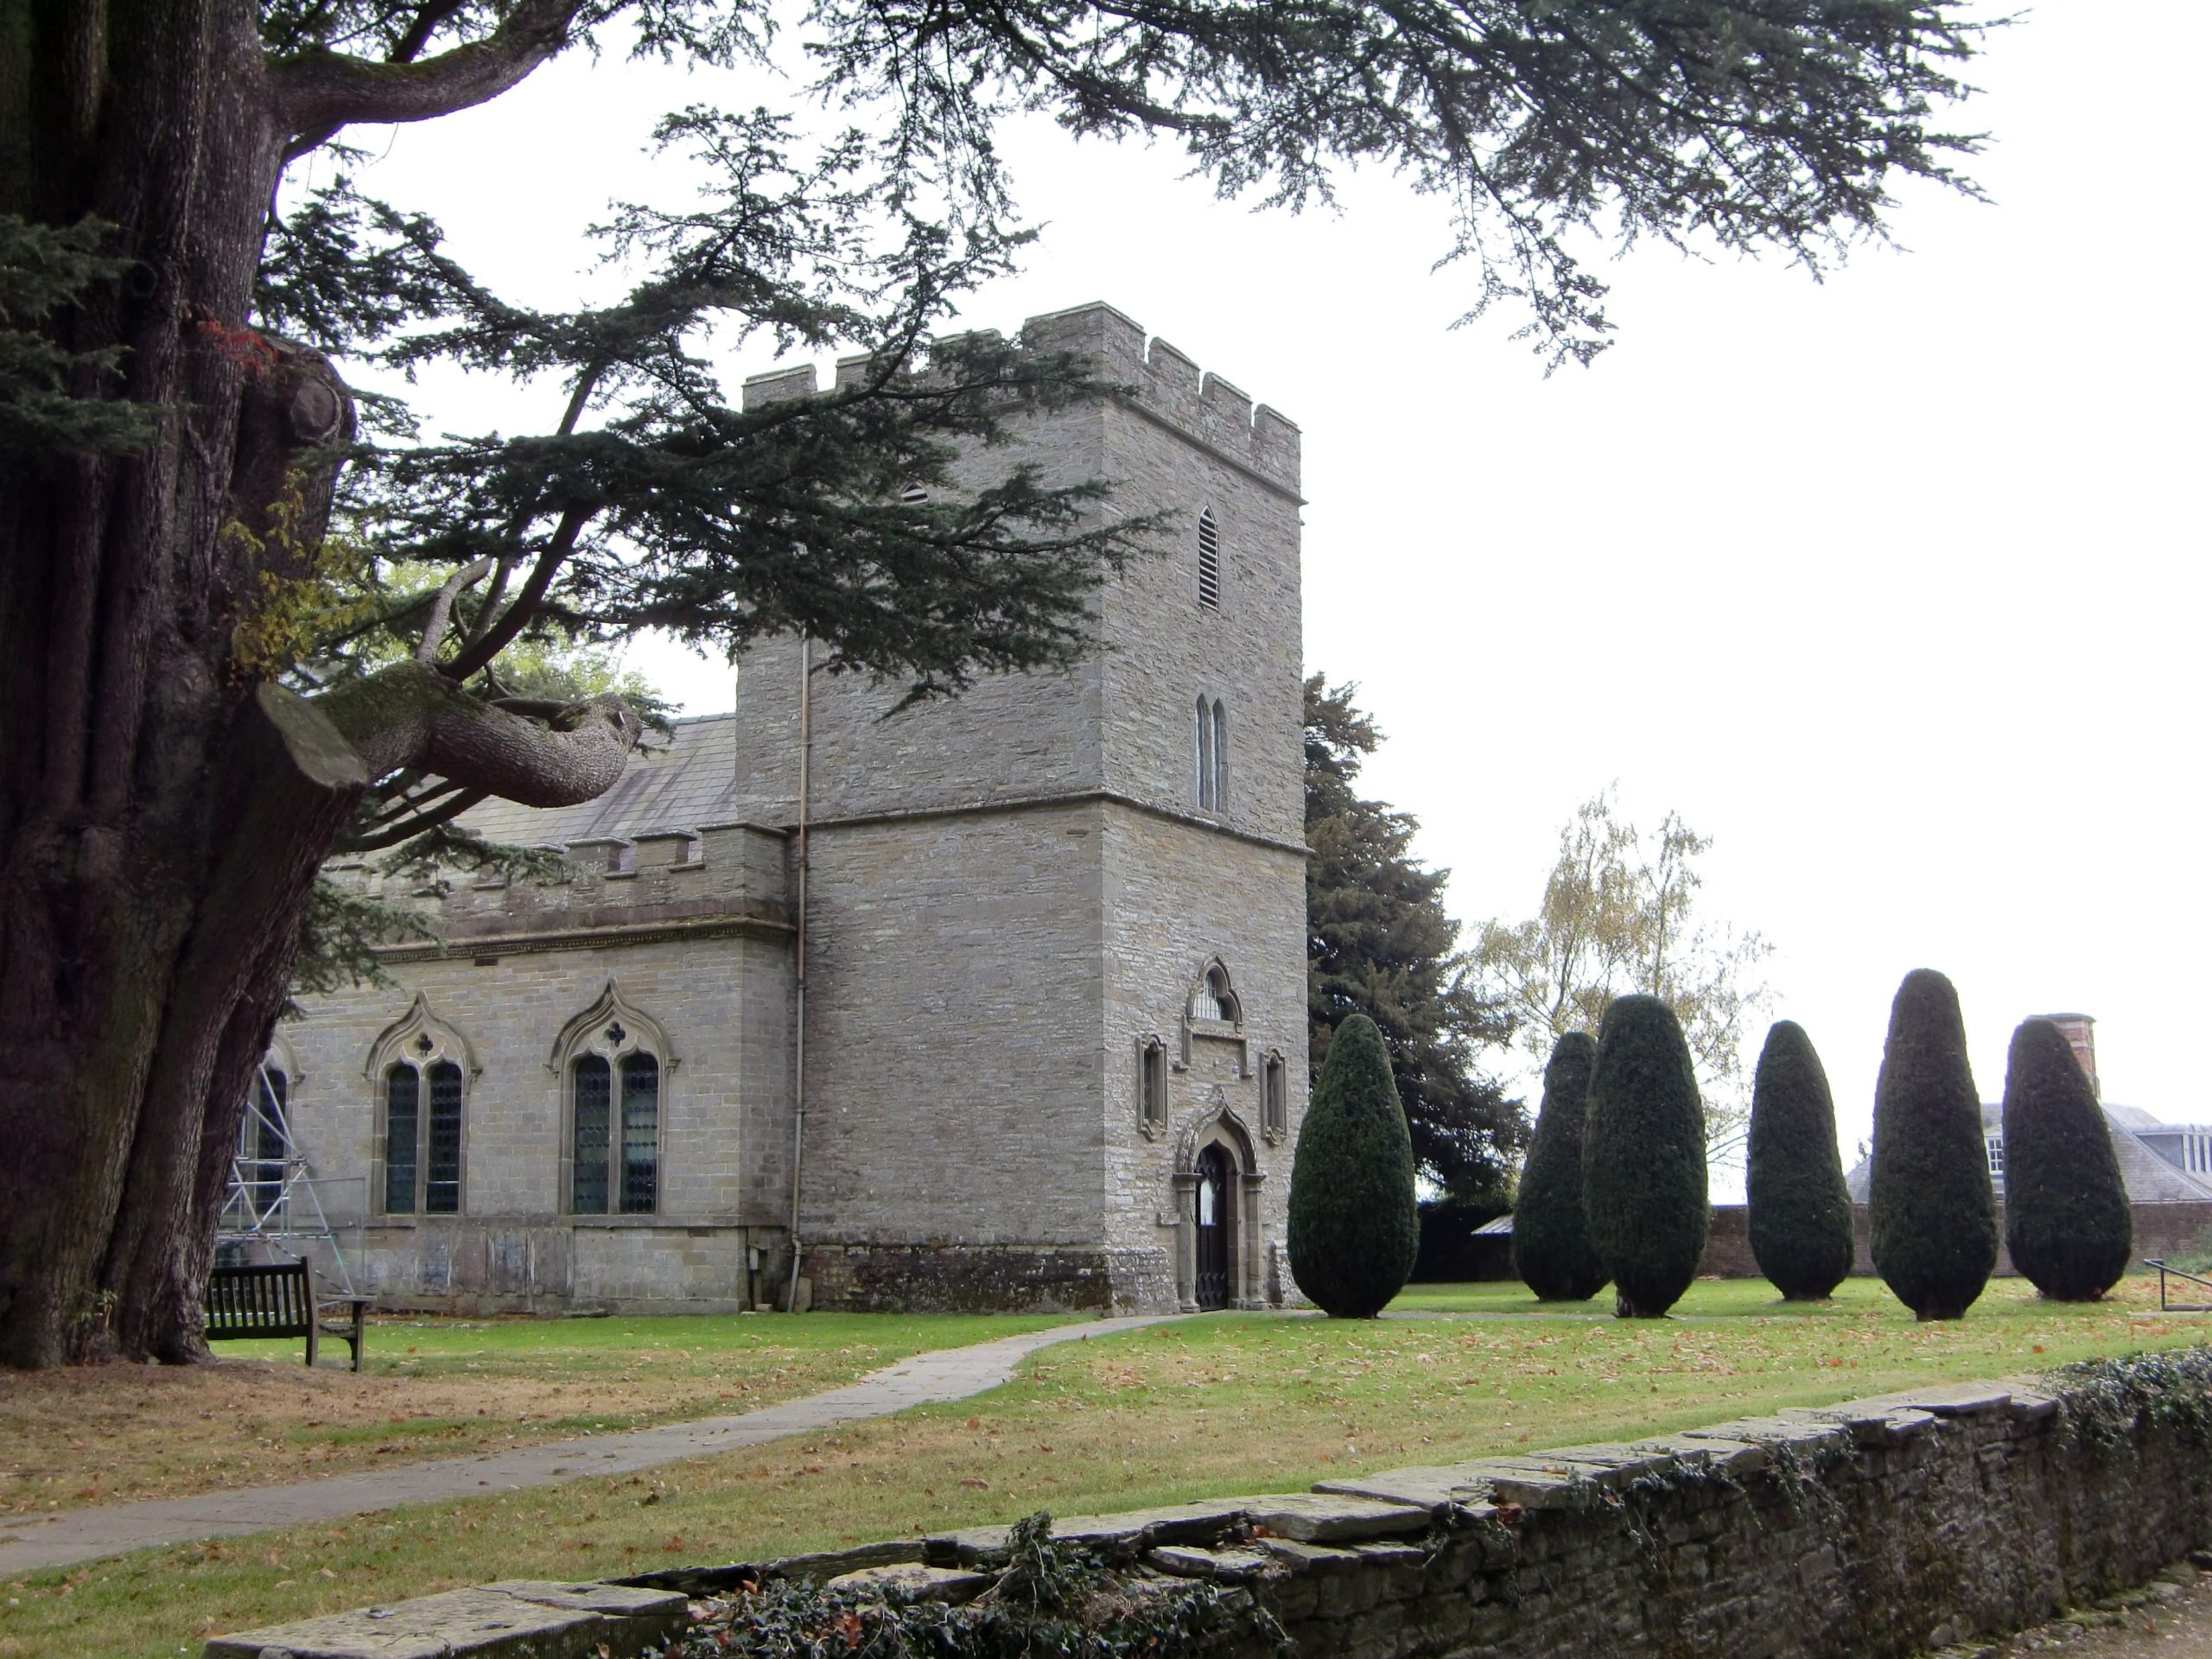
1934,1215
2067,1221
1379,941
1552,1250
190,278
1800,1209
1354,1230
1643,1158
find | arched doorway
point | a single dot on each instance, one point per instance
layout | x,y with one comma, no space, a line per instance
1214,1240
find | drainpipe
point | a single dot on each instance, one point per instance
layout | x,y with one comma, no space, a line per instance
798,1052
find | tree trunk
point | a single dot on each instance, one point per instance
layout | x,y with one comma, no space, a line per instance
163,815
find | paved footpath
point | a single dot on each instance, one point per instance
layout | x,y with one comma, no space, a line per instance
30,1543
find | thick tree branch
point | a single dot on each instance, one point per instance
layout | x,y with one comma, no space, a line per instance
409,715
434,626
320,90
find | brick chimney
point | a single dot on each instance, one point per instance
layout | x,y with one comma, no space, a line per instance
2080,1031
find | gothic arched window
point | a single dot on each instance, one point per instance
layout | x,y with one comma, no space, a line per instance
423,1068
612,1060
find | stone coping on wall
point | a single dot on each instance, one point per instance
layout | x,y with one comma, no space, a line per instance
1879,1527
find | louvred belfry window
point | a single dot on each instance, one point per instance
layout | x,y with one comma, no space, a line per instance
1209,562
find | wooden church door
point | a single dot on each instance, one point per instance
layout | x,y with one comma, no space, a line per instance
1213,1241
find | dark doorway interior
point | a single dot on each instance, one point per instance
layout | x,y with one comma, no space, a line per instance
1213,1239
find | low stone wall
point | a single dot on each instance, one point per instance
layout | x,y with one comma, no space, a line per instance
987,1278
1869,1531
2162,1231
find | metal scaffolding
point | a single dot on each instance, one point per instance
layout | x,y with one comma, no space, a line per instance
274,1211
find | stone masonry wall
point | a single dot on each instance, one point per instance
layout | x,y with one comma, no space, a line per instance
693,935
2162,1232
953,1040
1873,1529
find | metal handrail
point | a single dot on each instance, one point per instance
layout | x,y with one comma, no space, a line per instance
2165,1307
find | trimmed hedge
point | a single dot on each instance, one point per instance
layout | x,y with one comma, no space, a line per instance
1354,1229
1934,1215
2066,1217
1643,1158
1800,1209
1552,1250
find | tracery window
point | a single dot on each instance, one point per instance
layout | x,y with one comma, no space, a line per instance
1213,1000
612,1061
423,1070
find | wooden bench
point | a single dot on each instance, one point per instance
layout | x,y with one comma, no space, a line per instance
278,1301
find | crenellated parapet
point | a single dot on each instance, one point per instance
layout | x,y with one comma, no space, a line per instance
731,874
1156,379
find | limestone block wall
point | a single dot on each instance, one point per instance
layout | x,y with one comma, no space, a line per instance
694,941
1178,895
952,1045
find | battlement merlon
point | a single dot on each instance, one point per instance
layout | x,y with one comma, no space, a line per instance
1166,384
733,874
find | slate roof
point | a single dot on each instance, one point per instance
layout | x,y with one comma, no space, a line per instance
682,782
2149,1178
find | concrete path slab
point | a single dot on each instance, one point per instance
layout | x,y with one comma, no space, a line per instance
30,1543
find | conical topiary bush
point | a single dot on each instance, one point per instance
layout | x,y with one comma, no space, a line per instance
1935,1217
1552,1250
2067,1219
1800,1209
1643,1158
1354,1229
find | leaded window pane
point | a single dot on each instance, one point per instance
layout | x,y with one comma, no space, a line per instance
592,1083
402,1116
441,1190
640,1134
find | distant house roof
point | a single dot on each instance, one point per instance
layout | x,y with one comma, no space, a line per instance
2150,1176
685,781
1501,1228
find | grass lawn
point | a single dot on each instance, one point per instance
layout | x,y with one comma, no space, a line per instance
1228,1403
431,1388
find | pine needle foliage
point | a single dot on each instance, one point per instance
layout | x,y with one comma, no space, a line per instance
1644,1186
1800,1217
1552,1250
1354,1227
1933,1214
2068,1222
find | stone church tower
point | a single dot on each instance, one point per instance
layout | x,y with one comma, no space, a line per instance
1057,963
1053,1051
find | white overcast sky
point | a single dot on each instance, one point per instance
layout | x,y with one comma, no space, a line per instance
1894,585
